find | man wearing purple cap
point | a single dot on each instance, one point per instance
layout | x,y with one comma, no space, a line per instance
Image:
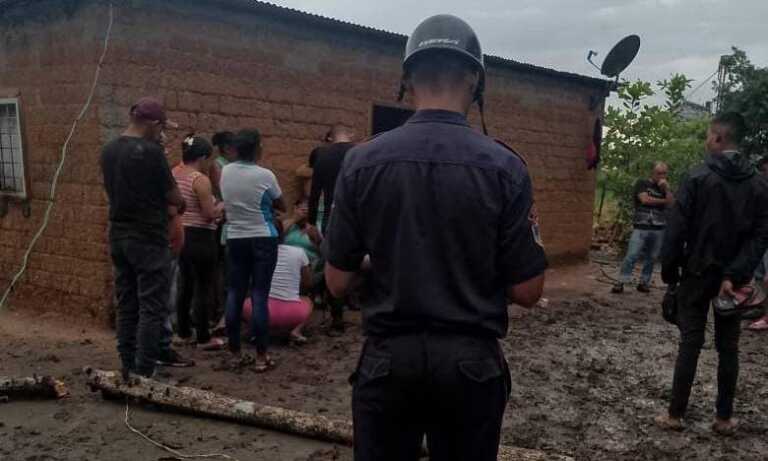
140,187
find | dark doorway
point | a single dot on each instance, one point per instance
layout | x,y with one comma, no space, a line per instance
387,118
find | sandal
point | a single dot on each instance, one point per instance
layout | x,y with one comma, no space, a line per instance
178,341
242,360
214,344
297,339
760,325
262,366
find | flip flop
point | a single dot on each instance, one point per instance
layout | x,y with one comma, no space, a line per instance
760,325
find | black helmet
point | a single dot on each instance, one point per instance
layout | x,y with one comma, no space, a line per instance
448,33
444,32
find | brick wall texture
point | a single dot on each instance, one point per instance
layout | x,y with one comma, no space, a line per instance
217,65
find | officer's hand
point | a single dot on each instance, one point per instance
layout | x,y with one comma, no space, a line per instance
366,264
664,184
726,289
670,274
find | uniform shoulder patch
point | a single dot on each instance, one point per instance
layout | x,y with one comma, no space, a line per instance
513,151
533,219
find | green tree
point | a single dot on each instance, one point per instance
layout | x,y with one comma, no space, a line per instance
745,90
640,134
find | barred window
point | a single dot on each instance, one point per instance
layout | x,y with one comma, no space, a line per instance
11,151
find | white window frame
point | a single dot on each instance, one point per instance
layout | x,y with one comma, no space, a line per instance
22,194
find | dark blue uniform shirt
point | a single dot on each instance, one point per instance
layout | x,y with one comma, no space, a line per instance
446,216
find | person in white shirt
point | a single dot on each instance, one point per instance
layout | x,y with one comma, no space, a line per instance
251,194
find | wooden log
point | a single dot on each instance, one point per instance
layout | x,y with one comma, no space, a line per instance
44,387
209,404
205,403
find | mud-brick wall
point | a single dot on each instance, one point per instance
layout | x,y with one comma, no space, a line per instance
229,68
224,65
48,54
220,68
551,122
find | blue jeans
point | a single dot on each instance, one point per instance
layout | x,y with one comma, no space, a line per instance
645,245
252,262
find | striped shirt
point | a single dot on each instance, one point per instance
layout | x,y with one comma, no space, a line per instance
248,192
193,216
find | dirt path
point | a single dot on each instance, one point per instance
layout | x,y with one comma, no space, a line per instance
589,371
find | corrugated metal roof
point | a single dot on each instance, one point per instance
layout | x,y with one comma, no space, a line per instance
294,14
291,14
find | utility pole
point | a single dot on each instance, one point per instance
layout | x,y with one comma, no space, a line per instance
722,80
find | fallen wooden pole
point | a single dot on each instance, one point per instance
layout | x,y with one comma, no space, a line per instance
41,387
205,403
209,404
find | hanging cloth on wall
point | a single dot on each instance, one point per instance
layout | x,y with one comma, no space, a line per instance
593,151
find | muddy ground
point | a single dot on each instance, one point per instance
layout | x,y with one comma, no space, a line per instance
590,370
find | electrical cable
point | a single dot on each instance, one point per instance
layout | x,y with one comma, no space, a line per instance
701,85
64,149
170,450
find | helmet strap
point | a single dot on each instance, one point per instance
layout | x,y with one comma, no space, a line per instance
481,107
401,93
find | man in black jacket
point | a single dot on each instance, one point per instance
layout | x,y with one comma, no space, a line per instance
716,235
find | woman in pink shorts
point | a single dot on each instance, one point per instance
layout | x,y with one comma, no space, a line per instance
288,310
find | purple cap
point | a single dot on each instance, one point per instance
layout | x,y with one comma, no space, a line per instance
151,109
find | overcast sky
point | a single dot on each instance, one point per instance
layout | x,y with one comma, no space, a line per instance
686,36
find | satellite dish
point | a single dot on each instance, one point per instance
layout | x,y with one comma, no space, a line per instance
619,58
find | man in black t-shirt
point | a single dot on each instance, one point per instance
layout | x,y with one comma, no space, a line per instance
326,163
140,188
652,197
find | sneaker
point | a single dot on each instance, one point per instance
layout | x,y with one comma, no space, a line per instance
643,288
174,359
618,288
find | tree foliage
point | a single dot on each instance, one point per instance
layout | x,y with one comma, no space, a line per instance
639,134
745,90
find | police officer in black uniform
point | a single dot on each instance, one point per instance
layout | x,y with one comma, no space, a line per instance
445,214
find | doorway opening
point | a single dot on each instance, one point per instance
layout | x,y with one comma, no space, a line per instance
387,118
